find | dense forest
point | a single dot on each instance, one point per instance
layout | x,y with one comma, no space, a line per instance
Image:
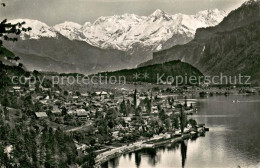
152,73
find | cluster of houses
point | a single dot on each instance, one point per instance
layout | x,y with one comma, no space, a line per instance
84,106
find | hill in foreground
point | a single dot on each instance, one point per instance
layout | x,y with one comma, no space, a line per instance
159,73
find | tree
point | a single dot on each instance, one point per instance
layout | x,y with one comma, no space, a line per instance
123,109
5,102
138,111
9,58
148,105
191,106
185,104
169,100
172,101
78,93
20,65
183,120
92,142
8,31
175,122
66,93
36,73
192,122
162,115
89,160
16,58
135,98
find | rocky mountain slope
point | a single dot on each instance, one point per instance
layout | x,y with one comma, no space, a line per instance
232,47
60,54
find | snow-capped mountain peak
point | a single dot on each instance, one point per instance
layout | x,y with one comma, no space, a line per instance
39,29
157,12
159,15
68,24
211,16
70,30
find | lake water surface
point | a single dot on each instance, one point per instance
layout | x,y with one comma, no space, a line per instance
233,139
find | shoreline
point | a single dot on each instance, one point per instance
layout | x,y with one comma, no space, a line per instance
106,156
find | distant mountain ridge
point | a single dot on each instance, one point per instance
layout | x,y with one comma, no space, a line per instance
59,54
232,47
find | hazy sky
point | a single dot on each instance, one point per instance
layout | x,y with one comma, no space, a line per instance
81,11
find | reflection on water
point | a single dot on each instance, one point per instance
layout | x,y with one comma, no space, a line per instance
183,153
233,140
137,159
152,155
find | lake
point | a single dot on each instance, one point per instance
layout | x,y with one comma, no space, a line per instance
233,139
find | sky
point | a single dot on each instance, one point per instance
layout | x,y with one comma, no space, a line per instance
80,11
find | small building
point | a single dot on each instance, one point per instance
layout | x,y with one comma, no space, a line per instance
17,88
56,111
39,98
41,115
97,104
47,97
84,94
82,114
127,119
79,104
97,93
115,134
32,88
44,89
155,110
71,112
57,92
103,95
46,102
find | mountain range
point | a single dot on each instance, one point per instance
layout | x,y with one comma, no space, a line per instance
232,47
123,31
109,43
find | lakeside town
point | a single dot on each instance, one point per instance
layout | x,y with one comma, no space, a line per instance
106,123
